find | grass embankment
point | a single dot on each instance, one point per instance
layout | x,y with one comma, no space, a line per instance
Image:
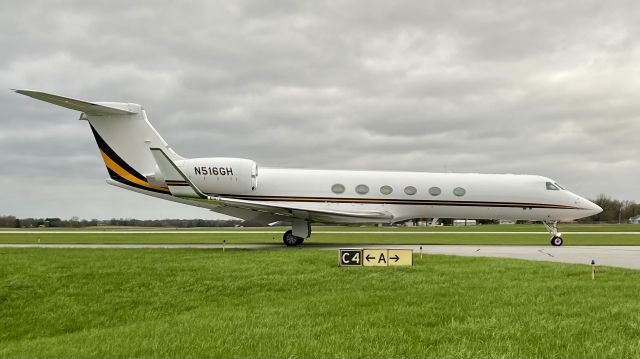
298,303
428,235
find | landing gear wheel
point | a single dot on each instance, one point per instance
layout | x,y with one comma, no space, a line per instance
290,240
556,241
552,227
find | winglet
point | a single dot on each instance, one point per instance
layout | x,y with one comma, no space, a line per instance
179,185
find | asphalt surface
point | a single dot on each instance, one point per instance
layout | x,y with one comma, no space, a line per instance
614,256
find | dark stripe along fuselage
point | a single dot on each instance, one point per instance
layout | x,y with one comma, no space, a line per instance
396,201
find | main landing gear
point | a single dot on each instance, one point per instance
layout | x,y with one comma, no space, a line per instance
290,240
552,227
300,230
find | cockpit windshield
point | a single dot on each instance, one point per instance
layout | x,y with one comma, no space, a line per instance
552,187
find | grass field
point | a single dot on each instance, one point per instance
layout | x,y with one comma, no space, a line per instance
298,303
429,235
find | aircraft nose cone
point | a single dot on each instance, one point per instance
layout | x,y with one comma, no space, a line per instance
595,208
591,207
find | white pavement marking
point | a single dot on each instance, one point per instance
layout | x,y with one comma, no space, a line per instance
614,256
280,232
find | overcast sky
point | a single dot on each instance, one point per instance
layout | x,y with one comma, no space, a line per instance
549,88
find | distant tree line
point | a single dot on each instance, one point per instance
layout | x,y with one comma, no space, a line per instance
75,222
613,211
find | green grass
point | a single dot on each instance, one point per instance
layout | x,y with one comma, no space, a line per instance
298,303
319,236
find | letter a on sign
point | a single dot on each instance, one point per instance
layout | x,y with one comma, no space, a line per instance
374,257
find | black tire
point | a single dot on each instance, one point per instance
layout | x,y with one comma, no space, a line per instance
556,241
290,240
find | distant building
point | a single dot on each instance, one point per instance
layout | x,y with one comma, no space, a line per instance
416,223
634,220
435,222
464,222
507,221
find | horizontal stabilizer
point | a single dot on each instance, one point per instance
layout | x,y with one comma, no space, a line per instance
89,108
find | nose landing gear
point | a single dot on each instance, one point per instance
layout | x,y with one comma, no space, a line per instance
556,241
552,227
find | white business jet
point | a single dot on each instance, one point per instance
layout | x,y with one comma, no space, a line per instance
138,159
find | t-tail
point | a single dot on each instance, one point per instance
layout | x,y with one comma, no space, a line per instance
123,134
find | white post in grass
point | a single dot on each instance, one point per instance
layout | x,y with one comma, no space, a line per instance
593,269
420,252
224,242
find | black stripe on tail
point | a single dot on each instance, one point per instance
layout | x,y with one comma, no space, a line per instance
102,145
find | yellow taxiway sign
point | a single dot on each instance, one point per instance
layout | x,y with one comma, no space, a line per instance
375,257
400,257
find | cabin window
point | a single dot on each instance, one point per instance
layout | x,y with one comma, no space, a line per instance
552,187
337,188
410,190
386,190
459,191
435,191
362,189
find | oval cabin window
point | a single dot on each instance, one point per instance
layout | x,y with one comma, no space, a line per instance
435,191
459,191
410,190
362,189
337,188
386,190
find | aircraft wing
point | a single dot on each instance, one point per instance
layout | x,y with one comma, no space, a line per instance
180,186
300,211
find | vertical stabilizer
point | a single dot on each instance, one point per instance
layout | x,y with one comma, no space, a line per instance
123,134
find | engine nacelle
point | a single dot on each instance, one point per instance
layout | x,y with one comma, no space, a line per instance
221,175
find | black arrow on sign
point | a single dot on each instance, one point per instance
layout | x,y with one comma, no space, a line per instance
369,257
395,258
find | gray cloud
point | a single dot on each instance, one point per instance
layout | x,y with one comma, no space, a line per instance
543,88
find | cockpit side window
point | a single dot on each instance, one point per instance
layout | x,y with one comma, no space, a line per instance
552,187
558,185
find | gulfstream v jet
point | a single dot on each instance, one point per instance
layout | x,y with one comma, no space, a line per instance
138,159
